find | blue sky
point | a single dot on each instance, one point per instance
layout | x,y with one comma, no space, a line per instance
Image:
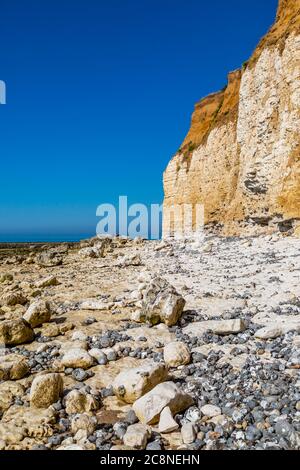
100,95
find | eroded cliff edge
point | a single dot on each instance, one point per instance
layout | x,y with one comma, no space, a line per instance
241,157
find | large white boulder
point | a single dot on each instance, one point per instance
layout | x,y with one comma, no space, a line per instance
149,407
77,358
132,384
161,303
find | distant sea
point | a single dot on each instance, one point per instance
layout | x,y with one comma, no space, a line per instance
44,238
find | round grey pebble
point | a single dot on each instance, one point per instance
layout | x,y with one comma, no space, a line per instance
131,417
55,440
111,356
154,446
80,375
253,434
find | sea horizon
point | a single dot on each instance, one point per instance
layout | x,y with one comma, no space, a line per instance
45,238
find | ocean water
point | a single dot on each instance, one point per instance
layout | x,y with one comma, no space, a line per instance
44,238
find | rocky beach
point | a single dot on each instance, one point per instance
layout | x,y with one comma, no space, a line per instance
132,344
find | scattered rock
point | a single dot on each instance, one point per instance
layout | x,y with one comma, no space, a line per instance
20,423
46,390
188,433
80,402
79,336
132,384
65,327
80,375
154,446
14,298
83,422
162,303
14,332
161,246
9,391
111,354
244,341
48,281
137,436
297,232
166,422
120,429
49,259
218,327
77,358
176,354
6,277
193,414
96,251
70,447
38,313
208,247
51,330
131,417
269,332
99,355
92,304
211,411
13,367
136,316
130,260
149,407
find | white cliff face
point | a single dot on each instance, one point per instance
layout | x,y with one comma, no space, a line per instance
268,129
209,176
249,166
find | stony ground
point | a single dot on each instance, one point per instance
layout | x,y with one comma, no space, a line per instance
81,368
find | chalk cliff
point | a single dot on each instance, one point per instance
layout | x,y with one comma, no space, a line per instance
241,157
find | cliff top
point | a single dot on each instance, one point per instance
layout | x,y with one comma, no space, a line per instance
220,107
287,22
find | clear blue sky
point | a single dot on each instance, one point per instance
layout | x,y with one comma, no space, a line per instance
100,95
